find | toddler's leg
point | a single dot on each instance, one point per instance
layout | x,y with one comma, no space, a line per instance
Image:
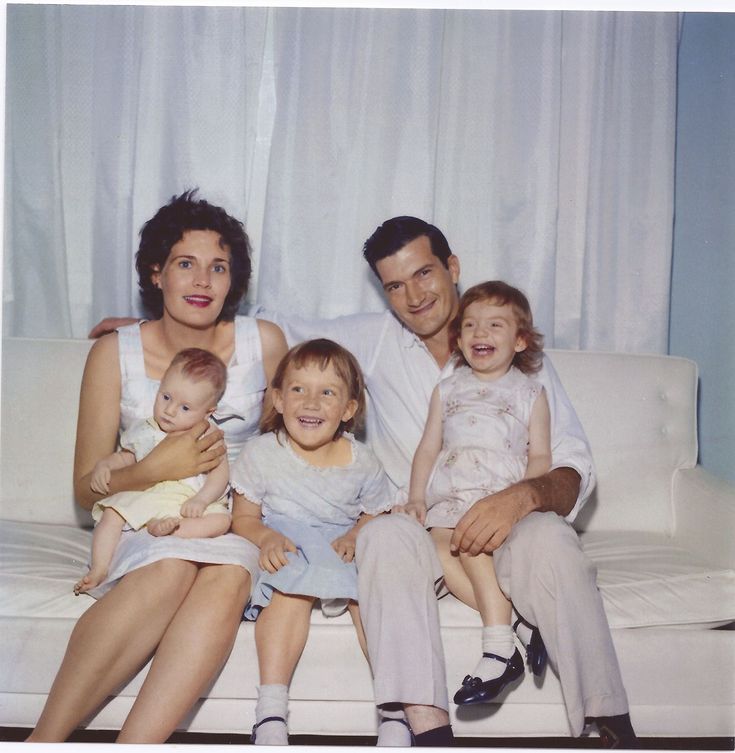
354,611
501,662
281,631
455,577
104,540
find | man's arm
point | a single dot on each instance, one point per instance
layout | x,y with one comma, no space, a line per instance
110,324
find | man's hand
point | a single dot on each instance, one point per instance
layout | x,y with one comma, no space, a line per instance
345,547
486,525
414,508
109,324
273,550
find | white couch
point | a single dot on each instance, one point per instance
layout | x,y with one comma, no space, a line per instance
659,528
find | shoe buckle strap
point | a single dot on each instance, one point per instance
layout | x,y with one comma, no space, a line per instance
502,659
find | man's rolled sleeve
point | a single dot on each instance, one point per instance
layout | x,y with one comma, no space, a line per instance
569,445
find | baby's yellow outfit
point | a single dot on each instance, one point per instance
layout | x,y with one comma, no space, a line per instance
162,500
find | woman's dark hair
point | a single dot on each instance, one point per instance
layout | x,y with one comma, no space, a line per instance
167,227
321,352
395,233
529,360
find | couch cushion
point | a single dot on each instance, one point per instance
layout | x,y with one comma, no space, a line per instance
39,565
639,413
644,579
37,435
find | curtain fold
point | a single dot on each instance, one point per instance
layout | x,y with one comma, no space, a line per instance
540,142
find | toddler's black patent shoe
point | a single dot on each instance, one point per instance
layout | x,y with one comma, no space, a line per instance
535,649
475,690
536,652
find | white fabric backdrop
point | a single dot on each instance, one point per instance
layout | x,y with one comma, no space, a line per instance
542,143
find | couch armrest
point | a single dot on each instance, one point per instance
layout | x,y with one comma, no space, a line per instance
704,515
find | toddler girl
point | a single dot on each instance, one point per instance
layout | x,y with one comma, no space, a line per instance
487,428
302,490
191,508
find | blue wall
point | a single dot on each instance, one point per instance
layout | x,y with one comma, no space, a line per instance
702,325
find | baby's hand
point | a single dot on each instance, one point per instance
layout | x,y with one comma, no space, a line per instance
193,508
416,508
273,550
345,547
100,481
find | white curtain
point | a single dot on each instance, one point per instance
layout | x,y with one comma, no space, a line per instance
541,143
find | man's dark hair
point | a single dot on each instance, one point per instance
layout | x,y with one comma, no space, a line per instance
167,227
395,233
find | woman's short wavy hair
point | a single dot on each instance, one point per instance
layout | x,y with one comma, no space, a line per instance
167,227
495,291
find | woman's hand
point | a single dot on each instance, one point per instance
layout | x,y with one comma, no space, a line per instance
186,453
273,548
345,546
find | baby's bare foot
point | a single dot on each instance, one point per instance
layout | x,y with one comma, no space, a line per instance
93,578
163,526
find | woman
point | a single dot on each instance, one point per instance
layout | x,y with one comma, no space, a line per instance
177,600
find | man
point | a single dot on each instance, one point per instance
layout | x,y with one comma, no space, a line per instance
403,353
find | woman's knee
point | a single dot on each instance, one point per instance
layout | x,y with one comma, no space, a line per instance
228,582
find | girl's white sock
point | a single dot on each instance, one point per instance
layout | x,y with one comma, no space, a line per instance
522,631
497,639
393,729
272,701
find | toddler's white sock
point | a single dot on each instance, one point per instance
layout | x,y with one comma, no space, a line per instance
272,701
393,729
497,639
522,630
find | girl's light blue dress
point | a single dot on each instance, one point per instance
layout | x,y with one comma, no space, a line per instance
311,506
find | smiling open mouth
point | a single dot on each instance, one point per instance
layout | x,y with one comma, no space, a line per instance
483,350
310,422
198,300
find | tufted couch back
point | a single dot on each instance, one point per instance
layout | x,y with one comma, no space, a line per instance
639,412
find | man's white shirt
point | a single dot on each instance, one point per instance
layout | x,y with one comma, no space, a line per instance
400,374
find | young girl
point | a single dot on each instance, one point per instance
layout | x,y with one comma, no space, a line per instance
303,489
194,507
487,428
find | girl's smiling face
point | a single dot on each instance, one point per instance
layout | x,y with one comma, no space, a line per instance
488,338
313,403
195,278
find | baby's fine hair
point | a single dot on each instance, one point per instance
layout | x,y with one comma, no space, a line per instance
529,360
322,352
201,365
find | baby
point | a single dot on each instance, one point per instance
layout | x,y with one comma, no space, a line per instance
191,508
